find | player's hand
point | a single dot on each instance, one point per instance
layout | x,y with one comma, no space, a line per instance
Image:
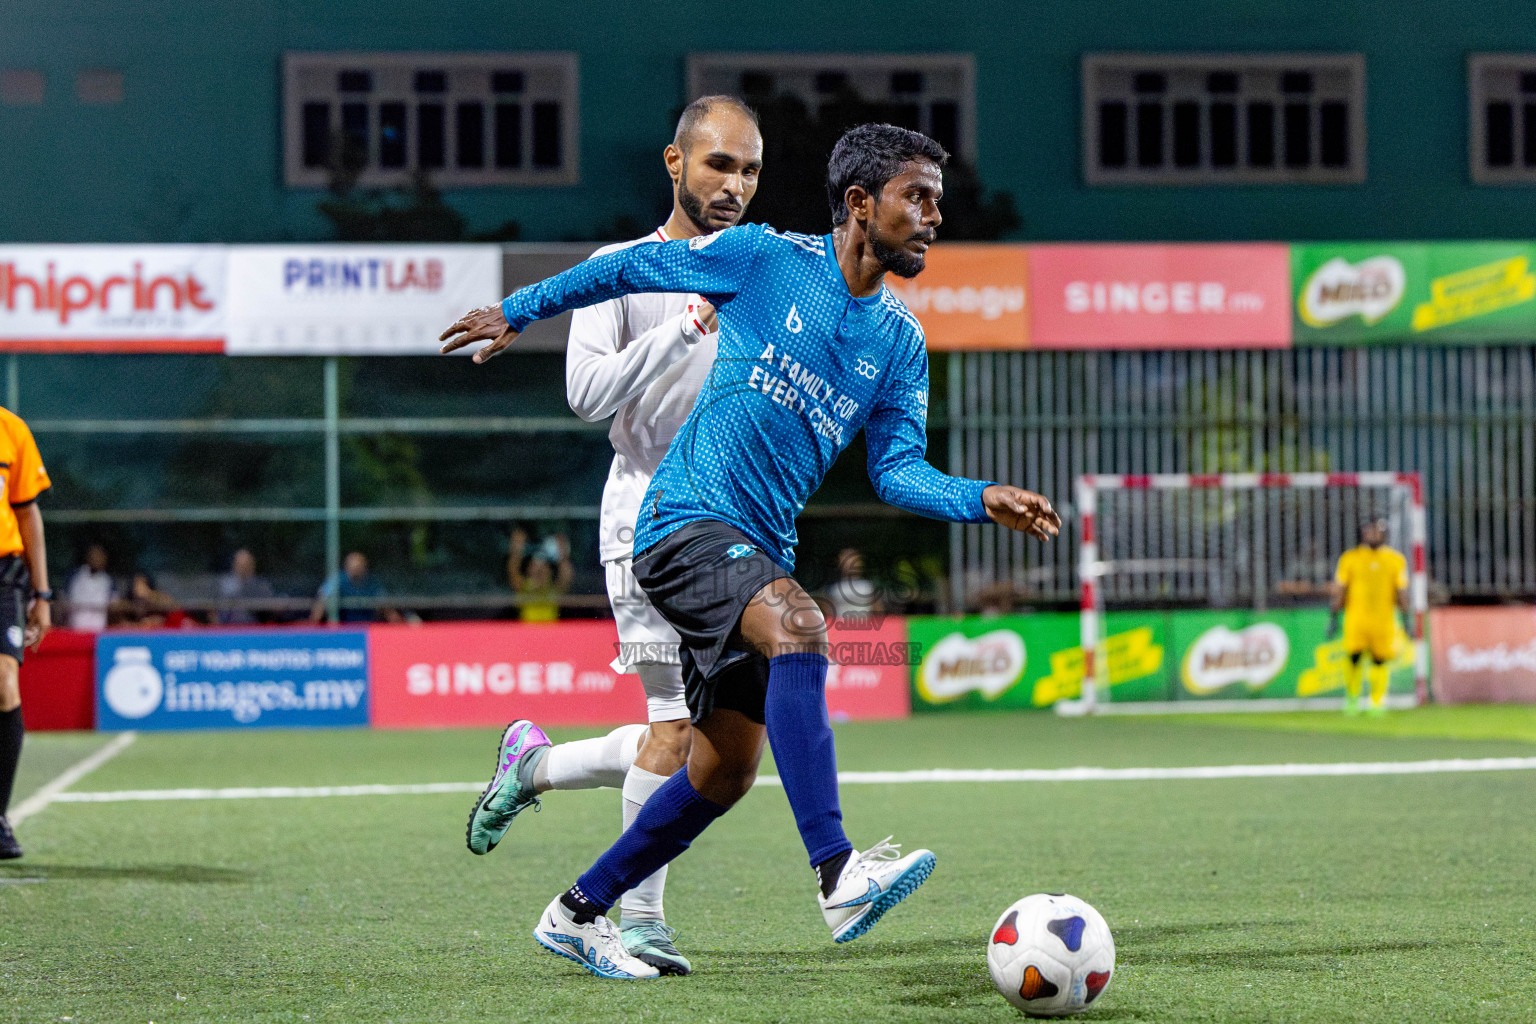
488,323
706,316
1333,626
1021,510
39,621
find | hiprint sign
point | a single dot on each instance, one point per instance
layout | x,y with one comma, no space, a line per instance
112,298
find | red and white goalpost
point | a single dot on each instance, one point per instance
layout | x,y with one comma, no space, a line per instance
1403,490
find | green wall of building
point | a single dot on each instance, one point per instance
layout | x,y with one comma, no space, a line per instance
193,154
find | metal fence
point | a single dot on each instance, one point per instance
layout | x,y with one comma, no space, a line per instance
1465,418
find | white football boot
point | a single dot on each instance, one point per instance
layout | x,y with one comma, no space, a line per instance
595,946
871,883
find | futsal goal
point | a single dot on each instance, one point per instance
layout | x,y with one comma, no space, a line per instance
1210,591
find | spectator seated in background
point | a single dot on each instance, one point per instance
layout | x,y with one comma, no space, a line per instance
919,586
242,584
1308,577
853,597
89,592
148,608
353,581
998,599
543,580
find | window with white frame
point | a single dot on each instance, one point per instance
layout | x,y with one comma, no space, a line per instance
463,119
1200,119
1501,92
931,93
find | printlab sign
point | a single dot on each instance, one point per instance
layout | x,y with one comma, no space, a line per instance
354,299
231,680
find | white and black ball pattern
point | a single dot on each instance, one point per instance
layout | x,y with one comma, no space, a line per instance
1051,955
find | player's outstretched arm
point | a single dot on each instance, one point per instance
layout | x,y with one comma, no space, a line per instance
897,437
711,265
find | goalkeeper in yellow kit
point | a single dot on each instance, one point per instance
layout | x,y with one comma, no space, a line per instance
1371,584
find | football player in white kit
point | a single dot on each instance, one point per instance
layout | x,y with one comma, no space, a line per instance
641,359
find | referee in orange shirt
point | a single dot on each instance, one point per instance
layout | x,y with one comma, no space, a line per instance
24,611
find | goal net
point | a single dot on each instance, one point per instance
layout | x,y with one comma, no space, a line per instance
1211,592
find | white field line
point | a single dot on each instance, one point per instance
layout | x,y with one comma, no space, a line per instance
935,775
1076,708
263,792
53,790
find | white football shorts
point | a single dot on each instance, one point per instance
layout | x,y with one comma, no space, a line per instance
645,639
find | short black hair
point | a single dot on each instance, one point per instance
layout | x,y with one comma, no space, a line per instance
871,155
699,109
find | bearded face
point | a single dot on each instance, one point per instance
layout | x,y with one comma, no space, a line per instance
898,257
709,212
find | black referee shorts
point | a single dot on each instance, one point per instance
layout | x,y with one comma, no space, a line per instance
701,577
15,595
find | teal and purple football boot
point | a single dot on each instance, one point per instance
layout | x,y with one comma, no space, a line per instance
506,797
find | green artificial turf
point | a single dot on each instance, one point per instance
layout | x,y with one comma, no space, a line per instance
1462,722
1366,899
47,755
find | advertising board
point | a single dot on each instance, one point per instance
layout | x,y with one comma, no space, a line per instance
383,299
354,299
1433,292
1033,661
231,679
970,296
112,298
58,682
1024,661
1484,655
489,673
870,665
1160,296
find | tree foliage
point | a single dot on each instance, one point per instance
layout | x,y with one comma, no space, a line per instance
409,213
797,144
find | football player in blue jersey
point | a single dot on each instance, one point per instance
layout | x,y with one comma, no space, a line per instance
813,348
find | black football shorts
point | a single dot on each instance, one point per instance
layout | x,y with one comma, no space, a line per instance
701,577
15,595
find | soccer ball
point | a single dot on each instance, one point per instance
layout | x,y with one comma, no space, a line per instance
1051,955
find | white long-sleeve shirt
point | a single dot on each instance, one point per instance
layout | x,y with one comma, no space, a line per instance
641,359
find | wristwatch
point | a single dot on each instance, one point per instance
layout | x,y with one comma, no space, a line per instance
42,595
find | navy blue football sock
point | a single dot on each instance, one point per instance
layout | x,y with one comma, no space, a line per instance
803,749
10,753
669,821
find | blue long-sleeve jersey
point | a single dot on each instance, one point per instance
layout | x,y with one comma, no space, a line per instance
803,365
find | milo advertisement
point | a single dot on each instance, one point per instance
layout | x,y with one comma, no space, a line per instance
1033,661
1364,292
1029,661
1282,653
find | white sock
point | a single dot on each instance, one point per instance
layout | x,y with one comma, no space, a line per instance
588,764
634,739
643,902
